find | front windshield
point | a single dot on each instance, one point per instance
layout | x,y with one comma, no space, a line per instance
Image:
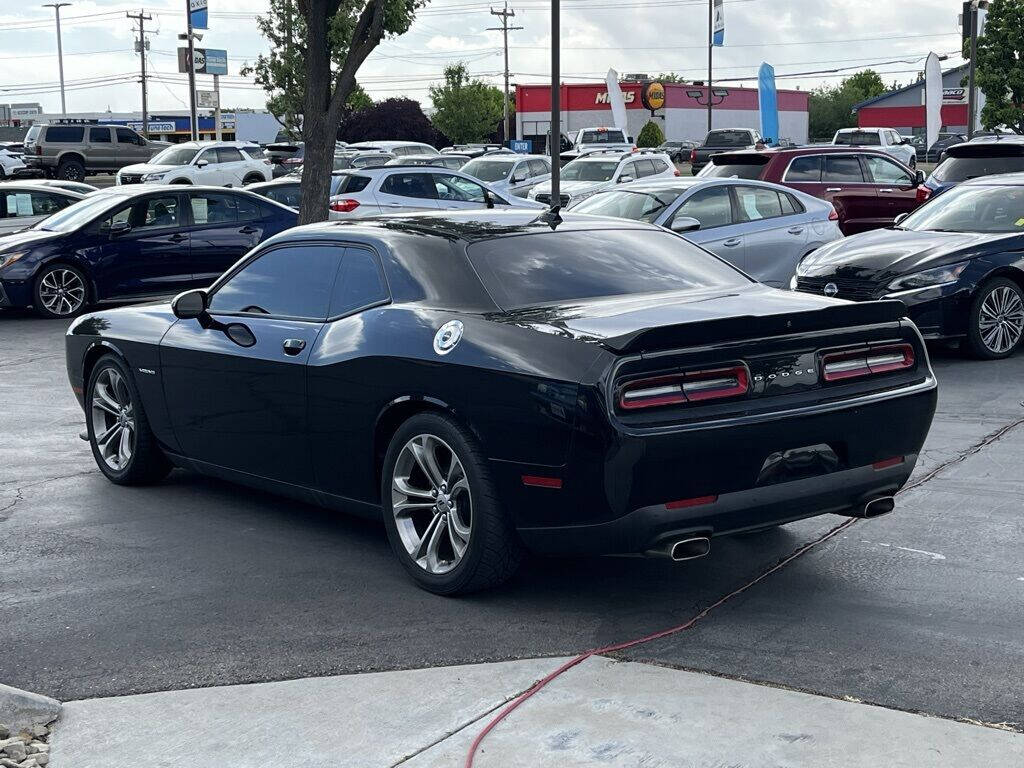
488,170
963,168
589,170
175,156
637,204
971,209
74,216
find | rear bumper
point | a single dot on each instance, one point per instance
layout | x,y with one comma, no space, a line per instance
647,527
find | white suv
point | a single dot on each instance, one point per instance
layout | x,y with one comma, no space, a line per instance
887,140
213,163
510,174
407,189
602,169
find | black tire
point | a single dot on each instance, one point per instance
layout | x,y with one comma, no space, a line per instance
71,170
182,181
254,178
147,462
975,341
43,293
493,551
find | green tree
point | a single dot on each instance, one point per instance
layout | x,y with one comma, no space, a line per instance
672,77
317,47
465,109
999,69
651,135
831,107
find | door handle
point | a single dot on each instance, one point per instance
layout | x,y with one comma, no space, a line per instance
393,205
885,190
833,189
732,243
795,230
247,230
177,237
293,346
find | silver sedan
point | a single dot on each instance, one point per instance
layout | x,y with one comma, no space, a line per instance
764,229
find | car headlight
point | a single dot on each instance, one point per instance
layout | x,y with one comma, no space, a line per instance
154,176
928,278
6,259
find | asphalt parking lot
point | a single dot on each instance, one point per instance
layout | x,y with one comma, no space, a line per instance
109,590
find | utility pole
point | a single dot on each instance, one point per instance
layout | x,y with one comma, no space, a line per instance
142,45
711,48
971,18
60,55
194,120
505,15
554,142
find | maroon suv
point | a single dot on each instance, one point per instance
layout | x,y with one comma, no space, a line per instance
868,188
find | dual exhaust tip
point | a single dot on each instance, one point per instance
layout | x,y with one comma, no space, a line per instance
694,546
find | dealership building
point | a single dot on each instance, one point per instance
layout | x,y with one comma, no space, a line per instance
903,109
682,116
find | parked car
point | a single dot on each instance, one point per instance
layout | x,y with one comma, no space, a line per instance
475,150
586,140
285,156
475,380
219,163
868,189
723,140
397,148
12,162
957,263
679,151
510,174
763,229
72,151
601,169
886,140
443,160
970,160
361,158
286,190
24,203
933,154
71,186
131,243
397,189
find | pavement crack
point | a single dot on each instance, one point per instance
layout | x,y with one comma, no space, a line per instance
4,510
19,492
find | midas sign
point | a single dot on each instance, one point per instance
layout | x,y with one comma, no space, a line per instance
602,98
653,96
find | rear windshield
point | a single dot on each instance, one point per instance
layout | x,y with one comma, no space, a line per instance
347,182
858,139
954,169
488,170
65,133
603,137
732,168
588,170
728,139
563,267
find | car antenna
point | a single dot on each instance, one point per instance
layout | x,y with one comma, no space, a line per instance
551,216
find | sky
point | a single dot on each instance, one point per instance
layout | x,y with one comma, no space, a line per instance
652,36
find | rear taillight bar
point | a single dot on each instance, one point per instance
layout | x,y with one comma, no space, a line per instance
836,366
688,387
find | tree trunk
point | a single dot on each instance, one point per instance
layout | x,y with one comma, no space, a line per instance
317,132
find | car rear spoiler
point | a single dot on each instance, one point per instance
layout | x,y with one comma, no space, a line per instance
727,329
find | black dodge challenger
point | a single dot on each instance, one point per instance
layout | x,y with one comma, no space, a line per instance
487,382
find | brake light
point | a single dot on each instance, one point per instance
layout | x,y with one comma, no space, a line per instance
693,155
691,387
866,362
833,215
344,205
886,463
542,481
923,193
292,161
697,501
677,172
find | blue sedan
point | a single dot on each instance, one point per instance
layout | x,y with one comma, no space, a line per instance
764,229
133,243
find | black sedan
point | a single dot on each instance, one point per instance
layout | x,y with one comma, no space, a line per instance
957,263
486,381
133,242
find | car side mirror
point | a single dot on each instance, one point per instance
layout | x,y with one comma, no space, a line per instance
625,179
202,163
118,228
685,224
899,219
919,178
189,305
519,177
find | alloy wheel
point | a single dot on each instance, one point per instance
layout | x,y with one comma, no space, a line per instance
113,419
431,503
1001,320
62,292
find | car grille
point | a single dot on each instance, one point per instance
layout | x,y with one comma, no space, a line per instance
131,178
853,289
545,198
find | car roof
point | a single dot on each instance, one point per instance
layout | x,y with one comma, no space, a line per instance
816,149
989,148
39,187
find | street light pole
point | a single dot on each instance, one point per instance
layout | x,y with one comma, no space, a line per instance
711,48
972,101
191,74
556,105
60,55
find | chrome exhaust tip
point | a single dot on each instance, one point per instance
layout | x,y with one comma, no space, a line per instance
883,505
677,550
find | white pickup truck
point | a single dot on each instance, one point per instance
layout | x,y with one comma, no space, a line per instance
888,140
587,139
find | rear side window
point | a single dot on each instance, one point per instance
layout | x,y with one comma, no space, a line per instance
758,203
360,282
127,136
228,155
99,135
790,204
807,168
559,267
842,168
290,281
346,183
417,185
18,204
65,133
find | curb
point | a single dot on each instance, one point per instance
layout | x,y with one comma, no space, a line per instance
21,709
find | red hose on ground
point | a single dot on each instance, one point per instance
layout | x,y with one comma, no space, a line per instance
646,639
